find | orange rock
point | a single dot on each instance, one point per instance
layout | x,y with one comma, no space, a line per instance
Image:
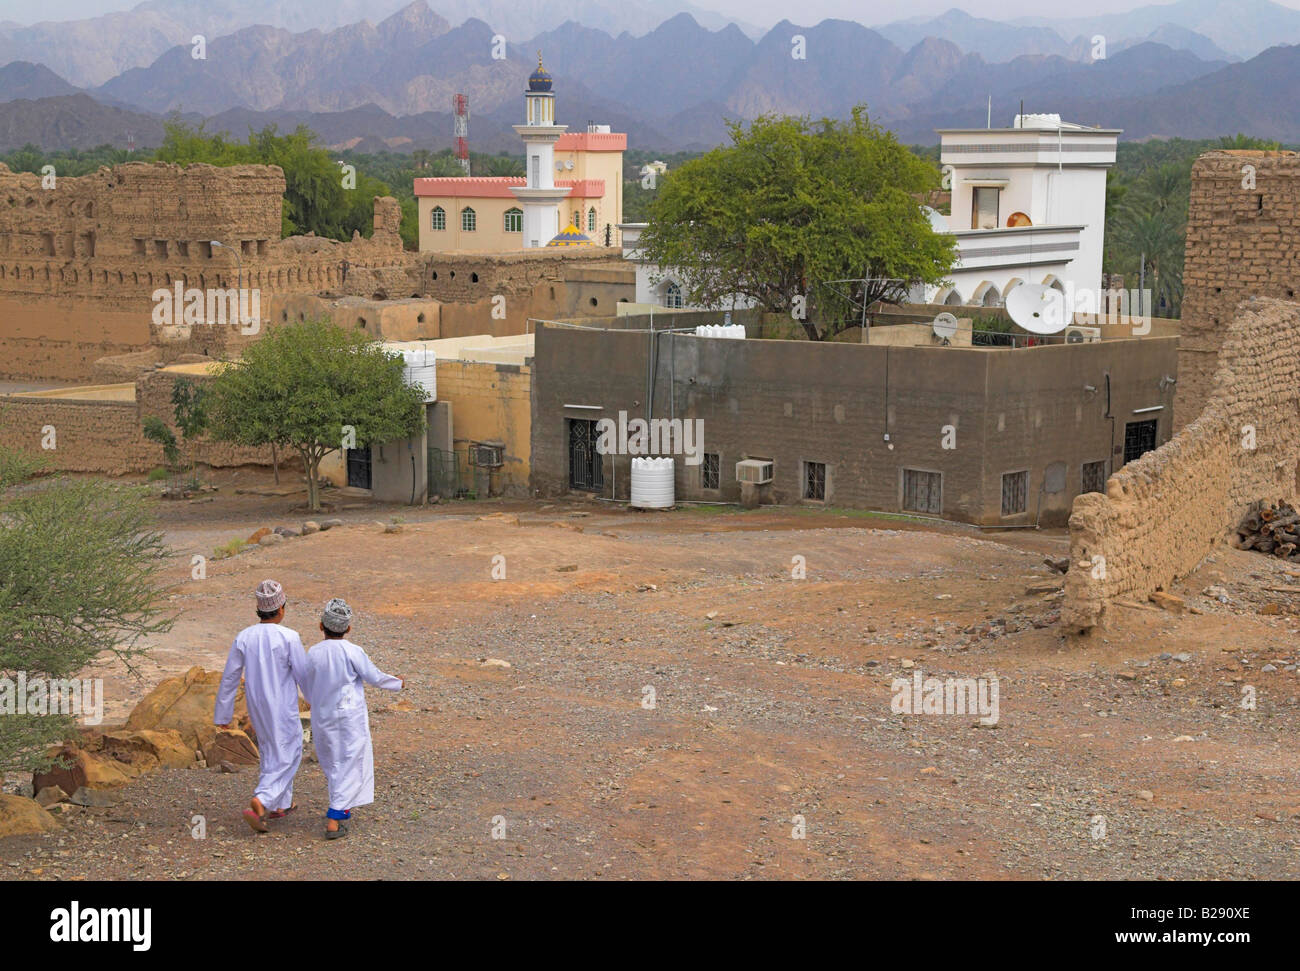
185,704
20,816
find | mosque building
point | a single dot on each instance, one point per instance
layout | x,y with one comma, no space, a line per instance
572,194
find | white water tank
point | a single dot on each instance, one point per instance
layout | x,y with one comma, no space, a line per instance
732,331
652,483
421,370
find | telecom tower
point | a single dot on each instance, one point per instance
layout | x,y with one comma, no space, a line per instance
460,107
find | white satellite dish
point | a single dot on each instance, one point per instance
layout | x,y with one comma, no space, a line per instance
1037,308
944,326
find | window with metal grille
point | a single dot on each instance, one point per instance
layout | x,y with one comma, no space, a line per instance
514,220
814,480
709,477
1094,477
1139,438
1015,493
591,219
468,220
438,218
922,491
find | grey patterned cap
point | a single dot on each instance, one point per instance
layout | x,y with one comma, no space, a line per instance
337,617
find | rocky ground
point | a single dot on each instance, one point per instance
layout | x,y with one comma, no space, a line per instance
659,695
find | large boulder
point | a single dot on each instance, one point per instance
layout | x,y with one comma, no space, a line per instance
20,816
185,704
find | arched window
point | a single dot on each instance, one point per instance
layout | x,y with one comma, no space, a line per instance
514,220
673,296
438,218
591,219
468,220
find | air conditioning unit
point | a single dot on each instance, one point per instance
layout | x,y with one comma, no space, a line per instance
486,455
757,471
1082,335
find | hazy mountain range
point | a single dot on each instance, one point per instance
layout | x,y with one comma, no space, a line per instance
389,84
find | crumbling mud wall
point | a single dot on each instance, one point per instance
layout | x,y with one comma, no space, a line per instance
1161,514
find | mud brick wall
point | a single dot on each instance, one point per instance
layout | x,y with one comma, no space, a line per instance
90,436
1161,514
107,437
79,262
1243,240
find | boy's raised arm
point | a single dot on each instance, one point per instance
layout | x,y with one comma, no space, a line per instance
372,675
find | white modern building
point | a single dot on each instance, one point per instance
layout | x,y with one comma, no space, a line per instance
657,287
1028,206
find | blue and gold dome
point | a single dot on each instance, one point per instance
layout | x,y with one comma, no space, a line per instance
539,80
570,236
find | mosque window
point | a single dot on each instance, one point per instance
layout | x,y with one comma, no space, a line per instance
514,220
438,218
591,219
468,220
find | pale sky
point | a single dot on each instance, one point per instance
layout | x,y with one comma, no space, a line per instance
761,12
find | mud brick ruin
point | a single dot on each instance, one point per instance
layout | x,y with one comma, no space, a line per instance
79,264
1237,403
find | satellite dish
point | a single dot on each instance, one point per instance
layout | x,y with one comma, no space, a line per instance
1037,308
944,326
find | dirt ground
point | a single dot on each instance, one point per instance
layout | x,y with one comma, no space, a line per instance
679,704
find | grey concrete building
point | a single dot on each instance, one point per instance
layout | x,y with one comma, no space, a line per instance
987,435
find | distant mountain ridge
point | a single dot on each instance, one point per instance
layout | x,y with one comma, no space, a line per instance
391,84
90,52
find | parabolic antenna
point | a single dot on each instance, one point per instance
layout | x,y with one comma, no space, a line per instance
944,326
1037,308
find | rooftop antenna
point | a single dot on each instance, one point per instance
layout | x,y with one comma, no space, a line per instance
460,105
1020,119
989,122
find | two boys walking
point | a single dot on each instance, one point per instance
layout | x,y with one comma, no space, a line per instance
332,676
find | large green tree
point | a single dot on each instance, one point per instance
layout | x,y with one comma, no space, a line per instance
790,207
80,579
319,194
313,387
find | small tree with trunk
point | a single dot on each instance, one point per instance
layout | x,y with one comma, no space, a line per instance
314,388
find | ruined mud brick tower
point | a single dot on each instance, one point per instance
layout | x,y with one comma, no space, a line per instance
1243,240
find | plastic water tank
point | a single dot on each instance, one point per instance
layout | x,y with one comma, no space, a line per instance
421,370
652,483
732,331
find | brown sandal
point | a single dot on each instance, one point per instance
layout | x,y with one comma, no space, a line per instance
255,822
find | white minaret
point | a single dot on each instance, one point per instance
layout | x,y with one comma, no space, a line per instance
541,198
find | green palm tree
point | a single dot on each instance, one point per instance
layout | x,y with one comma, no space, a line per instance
498,165
1147,234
